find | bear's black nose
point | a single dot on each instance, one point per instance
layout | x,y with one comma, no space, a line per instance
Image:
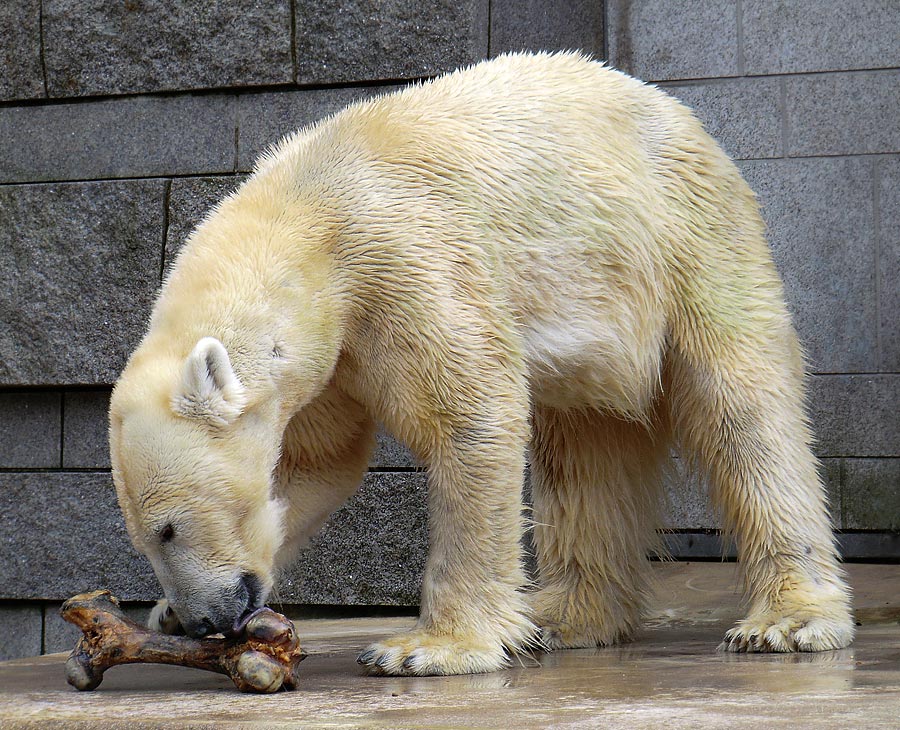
204,628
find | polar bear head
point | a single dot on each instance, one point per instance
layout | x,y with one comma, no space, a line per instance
192,464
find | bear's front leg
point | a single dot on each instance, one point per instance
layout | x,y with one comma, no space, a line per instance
473,613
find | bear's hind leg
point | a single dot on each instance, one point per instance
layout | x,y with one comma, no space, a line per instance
596,489
737,405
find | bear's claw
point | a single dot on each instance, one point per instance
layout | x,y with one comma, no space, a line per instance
779,633
419,653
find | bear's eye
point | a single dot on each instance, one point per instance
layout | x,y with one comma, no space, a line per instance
167,533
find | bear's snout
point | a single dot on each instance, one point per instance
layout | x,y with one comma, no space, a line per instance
225,616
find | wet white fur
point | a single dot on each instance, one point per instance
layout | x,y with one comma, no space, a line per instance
537,251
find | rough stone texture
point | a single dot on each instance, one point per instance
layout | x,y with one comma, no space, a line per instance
872,493
889,261
190,199
387,39
86,548
537,25
688,504
371,552
673,39
265,118
687,501
819,35
743,115
830,470
390,453
79,264
86,430
100,47
843,113
21,76
20,627
855,415
820,220
60,635
137,137
29,430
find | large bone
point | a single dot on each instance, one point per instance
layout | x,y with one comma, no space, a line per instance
264,657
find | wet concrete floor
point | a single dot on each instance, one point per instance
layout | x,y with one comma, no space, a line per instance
671,677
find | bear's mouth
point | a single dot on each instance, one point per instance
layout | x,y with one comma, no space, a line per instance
241,624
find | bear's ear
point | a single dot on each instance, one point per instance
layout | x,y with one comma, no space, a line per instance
209,390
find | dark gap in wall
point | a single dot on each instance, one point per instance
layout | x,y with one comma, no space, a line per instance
55,470
861,374
217,91
79,387
43,627
299,611
374,84
396,469
490,50
62,427
172,176
165,226
230,173
41,49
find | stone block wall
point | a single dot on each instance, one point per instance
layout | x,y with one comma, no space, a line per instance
122,123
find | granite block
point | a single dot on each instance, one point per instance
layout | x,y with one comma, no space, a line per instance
869,546
821,228
29,430
370,40
743,115
79,267
390,453
371,552
20,627
687,502
62,533
190,199
855,415
657,40
265,118
86,429
888,220
871,494
100,47
132,137
21,75
60,635
843,113
830,471
538,25
819,35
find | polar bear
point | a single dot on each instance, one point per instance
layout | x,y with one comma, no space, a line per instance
537,254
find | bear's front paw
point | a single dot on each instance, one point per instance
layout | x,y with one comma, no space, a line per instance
419,653
163,619
805,630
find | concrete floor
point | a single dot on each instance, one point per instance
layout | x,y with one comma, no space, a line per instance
671,677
